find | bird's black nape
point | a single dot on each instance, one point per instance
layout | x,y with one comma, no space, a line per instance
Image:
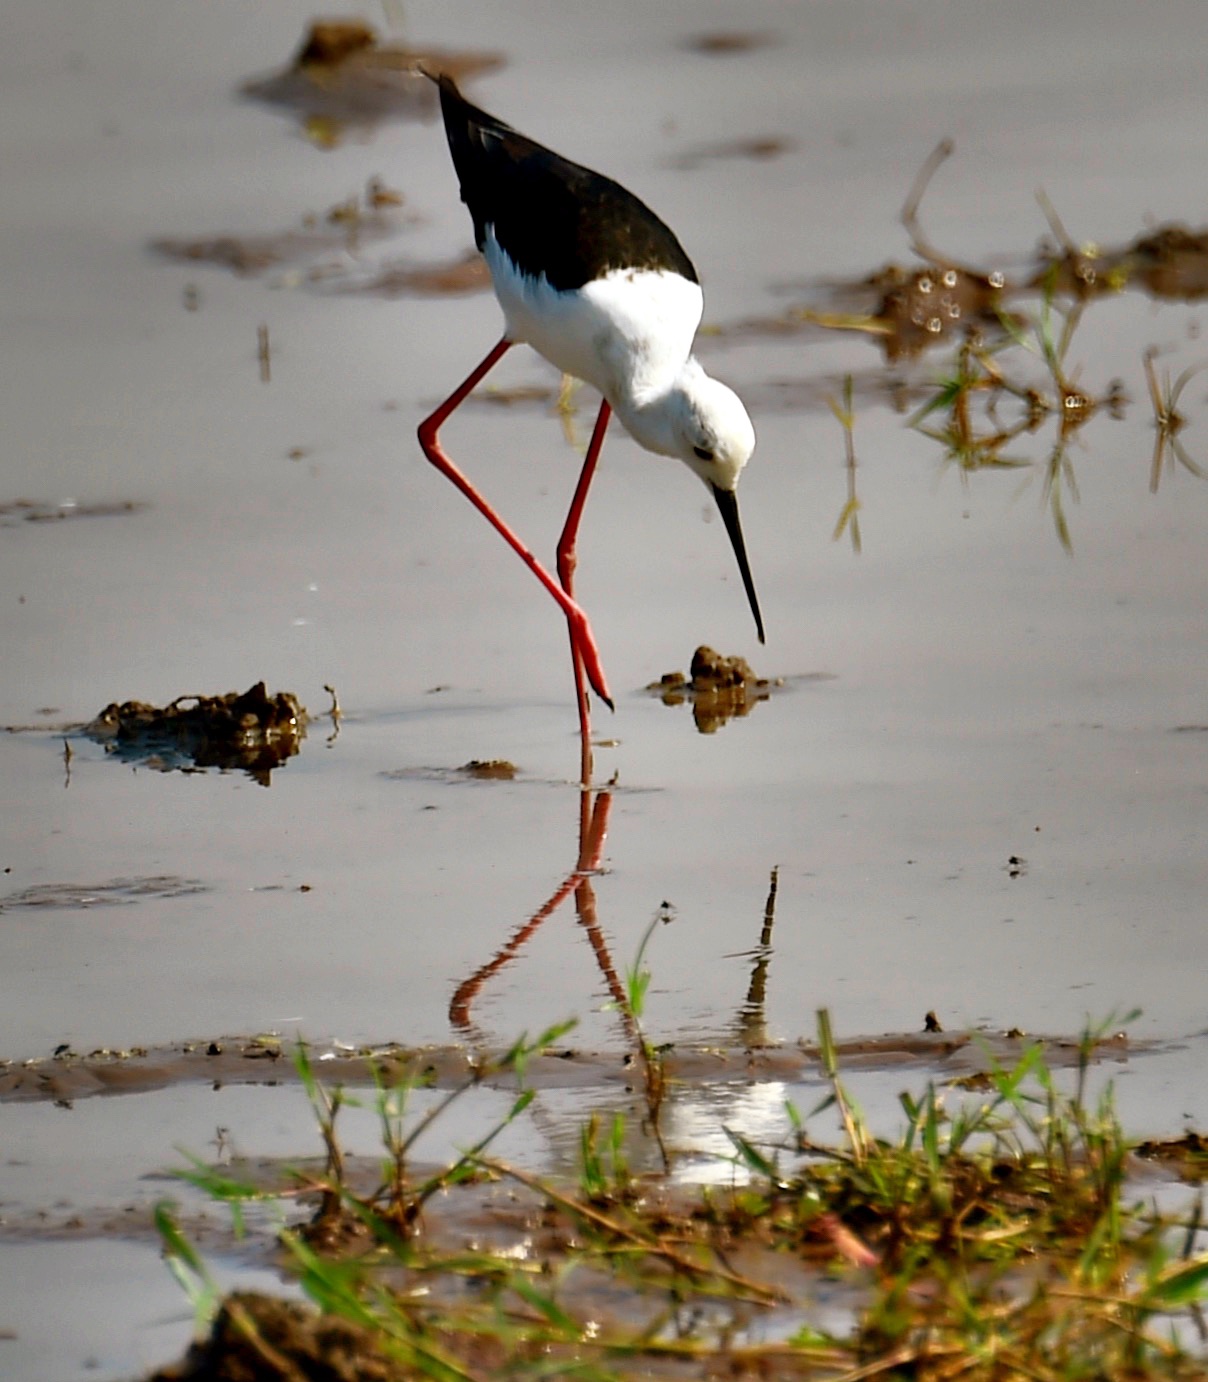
550,216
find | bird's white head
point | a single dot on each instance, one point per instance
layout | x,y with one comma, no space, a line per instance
704,423
715,438
712,431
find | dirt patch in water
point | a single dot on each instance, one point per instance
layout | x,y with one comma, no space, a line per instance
68,1075
45,511
256,1336
344,79
253,732
113,892
718,688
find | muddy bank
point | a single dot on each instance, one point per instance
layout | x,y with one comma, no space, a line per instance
68,1076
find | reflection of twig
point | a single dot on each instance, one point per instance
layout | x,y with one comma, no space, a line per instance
849,516
67,757
1168,421
262,352
752,1017
334,713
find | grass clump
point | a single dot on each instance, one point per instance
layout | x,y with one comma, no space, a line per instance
994,1238
1004,1242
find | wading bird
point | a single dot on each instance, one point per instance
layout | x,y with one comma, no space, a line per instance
595,282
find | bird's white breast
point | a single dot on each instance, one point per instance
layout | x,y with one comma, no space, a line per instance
628,334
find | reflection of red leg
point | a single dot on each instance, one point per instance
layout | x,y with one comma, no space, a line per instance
465,994
593,827
582,639
593,830
567,561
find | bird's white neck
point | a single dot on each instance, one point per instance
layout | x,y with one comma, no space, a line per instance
656,415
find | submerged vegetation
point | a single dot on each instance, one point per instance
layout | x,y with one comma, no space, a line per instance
998,1236
992,395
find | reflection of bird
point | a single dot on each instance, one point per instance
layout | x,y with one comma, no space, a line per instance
592,279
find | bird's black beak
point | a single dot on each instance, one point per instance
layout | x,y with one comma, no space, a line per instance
727,502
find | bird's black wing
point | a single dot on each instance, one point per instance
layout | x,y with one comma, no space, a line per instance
550,215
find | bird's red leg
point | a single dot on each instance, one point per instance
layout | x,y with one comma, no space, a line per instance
567,561
581,634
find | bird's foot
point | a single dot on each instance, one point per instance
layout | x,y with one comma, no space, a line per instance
585,645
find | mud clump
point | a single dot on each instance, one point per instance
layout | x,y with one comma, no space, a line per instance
256,1337
342,230
719,688
489,770
711,671
921,307
724,43
331,42
254,731
39,511
1186,1156
342,78
452,277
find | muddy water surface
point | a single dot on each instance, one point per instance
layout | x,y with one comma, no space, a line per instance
982,783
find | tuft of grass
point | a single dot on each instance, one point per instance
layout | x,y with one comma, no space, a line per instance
993,1238
651,1058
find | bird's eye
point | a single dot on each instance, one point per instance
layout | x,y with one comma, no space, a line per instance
703,453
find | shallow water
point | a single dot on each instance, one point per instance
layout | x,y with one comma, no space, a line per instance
961,694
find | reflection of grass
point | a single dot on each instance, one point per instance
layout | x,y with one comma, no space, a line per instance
849,515
977,440
988,398
651,1057
993,1239
1167,418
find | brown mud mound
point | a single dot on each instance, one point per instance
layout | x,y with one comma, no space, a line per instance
343,78
719,688
257,1337
254,731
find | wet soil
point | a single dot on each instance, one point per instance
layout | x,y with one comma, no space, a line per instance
345,77
719,688
257,1337
218,1061
251,731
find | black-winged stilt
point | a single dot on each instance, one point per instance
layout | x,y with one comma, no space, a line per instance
595,282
